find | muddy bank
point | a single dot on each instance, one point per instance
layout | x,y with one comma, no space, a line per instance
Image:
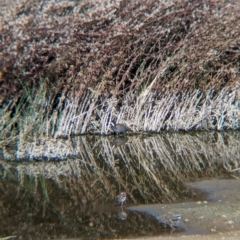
234,235
218,215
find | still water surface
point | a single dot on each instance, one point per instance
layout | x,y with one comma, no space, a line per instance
67,188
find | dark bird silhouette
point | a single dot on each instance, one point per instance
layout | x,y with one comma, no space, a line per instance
119,128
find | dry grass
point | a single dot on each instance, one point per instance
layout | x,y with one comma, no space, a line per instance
155,65
151,112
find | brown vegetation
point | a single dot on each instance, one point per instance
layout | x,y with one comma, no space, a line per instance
86,52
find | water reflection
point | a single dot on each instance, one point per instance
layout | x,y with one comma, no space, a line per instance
68,187
119,141
122,215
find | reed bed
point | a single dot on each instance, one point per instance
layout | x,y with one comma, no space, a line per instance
148,113
72,67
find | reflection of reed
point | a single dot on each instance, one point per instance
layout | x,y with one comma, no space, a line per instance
149,169
35,217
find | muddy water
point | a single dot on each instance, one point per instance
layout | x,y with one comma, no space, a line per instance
66,188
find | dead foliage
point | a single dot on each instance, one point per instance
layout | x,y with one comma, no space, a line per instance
113,47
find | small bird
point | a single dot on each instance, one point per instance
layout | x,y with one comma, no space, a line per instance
119,128
174,221
121,198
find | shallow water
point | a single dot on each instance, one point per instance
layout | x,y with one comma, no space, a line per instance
67,188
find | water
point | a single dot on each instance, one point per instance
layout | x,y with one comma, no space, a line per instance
67,188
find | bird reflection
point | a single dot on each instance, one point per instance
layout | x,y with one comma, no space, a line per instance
119,141
122,215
